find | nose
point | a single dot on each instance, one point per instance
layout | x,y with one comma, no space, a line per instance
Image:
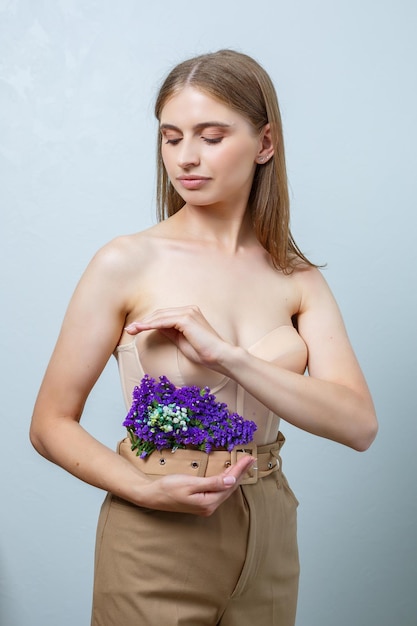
188,155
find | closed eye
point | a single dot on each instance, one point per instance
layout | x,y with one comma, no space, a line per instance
212,140
209,140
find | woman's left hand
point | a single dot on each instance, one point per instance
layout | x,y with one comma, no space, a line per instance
189,330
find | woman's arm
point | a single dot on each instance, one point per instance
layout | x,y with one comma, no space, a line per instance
90,331
332,402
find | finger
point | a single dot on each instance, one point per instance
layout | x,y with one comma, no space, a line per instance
174,317
212,484
239,469
159,323
134,328
227,479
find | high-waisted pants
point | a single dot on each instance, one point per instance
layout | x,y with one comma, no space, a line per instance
238,567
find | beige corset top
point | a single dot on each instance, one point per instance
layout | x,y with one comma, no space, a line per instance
151,353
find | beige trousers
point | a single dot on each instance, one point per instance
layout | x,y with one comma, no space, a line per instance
238,567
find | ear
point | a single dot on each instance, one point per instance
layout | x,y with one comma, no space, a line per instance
266,147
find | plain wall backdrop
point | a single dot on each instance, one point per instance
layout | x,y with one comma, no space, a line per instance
77,154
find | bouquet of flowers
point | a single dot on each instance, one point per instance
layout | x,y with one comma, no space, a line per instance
165,416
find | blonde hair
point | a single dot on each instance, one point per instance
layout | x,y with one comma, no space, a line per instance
239,82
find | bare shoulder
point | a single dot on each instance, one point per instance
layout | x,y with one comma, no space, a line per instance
113,277
309,277
124,254
313,289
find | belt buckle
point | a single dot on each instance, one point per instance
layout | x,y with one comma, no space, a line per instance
251,476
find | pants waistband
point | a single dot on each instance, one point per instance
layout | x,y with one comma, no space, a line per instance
198,463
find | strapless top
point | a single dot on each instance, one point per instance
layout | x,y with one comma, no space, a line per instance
151,353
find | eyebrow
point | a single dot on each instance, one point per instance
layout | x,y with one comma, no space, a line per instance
197,127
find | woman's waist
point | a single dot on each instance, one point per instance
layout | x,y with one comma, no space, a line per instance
195,462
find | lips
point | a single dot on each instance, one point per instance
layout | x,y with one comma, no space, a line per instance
193,181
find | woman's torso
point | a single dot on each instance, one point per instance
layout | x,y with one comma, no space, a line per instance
246,300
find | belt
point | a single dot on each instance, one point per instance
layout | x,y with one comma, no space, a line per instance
198,463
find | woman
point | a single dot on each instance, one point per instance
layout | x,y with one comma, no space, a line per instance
216,294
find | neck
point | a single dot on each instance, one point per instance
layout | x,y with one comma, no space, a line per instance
217,225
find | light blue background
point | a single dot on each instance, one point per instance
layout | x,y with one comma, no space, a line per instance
77,82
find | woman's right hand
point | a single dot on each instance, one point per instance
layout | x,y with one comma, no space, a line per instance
188,494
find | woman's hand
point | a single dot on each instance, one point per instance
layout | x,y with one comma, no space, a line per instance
189,330
188,494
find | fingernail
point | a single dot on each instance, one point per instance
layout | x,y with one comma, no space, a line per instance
229,480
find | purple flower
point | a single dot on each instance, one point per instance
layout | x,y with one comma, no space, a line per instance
165,416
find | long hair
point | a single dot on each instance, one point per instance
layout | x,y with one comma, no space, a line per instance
239,82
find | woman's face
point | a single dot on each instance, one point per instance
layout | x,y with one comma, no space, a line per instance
209,150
